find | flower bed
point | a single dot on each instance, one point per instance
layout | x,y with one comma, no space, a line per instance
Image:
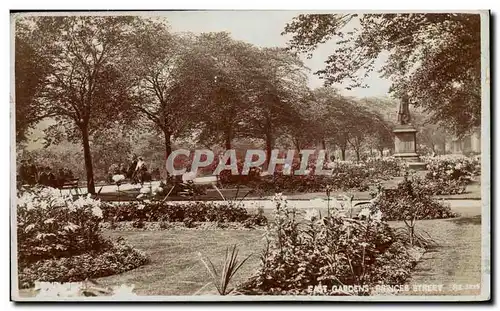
452,167
345,176
411,199
189,213
112,258
329,253
58,239
163,225
450,174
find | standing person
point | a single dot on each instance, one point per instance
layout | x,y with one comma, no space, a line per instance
140,164
132,167
141,171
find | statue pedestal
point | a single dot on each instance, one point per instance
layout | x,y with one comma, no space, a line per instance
405,145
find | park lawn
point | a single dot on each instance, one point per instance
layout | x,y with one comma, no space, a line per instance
456,259
175,268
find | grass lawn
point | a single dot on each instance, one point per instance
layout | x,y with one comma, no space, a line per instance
175,268
457,259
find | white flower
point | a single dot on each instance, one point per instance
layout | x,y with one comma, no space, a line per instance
311,214
97,211
118,178
29,228
377,216
44,204
30,206
157,190
140,206
49,221
140,196
365,212
279,197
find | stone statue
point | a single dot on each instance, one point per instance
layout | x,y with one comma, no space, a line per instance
404,111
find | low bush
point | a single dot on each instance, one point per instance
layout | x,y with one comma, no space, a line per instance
58,239
50,225
452,167
333,251
189,213
345,176
411,199
116,257
443,186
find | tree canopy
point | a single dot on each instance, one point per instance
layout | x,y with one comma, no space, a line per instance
85,89
433,58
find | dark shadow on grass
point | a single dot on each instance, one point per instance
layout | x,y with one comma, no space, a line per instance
474,220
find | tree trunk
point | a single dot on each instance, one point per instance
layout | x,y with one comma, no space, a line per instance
269,147
381,150
323,144
168,149
229,138
357,155
297,146
342,150
88,160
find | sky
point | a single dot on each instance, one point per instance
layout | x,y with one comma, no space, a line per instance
263,29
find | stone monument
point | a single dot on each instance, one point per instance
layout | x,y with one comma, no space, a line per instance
405,137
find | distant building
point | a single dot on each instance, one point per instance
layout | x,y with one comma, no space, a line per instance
468,144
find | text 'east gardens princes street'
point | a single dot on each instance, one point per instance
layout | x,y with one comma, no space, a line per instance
250,155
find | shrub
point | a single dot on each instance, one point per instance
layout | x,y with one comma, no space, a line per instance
443,186
345,176
329,251
411,199
176,212
189,222
50,225
59,240
138,223
116,257
452,167
257,219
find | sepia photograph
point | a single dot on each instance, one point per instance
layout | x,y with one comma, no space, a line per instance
250,156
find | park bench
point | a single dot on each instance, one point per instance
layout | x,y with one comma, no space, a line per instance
71,184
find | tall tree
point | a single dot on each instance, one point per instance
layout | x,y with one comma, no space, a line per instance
31,70
279,85
86,89
225,65
434,58
383,116
164,79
